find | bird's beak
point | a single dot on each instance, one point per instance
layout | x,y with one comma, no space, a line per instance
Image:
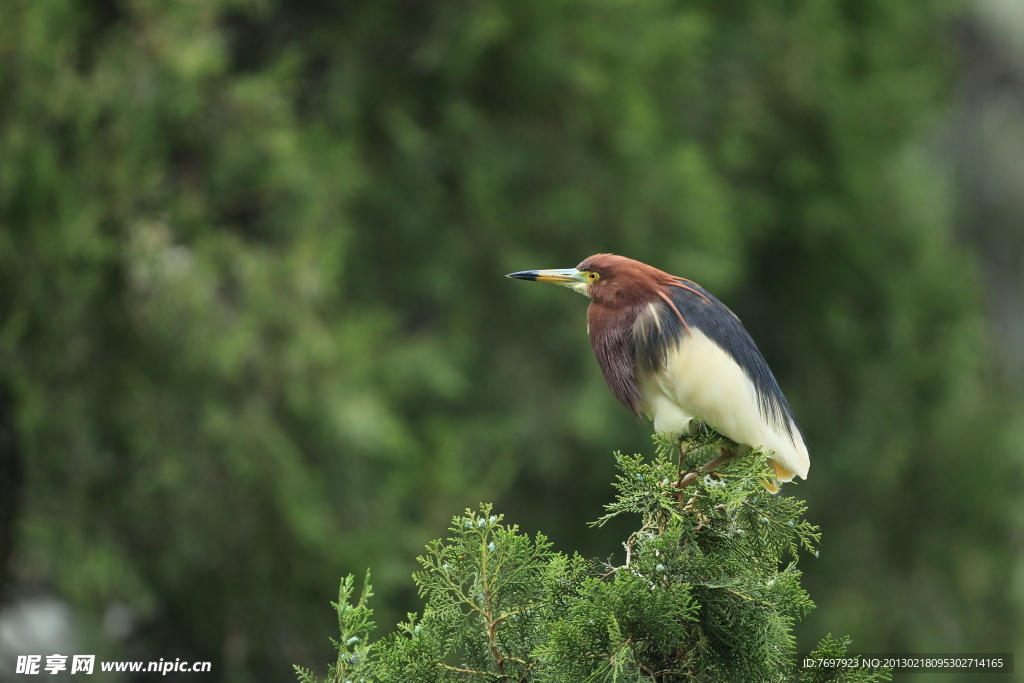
565,276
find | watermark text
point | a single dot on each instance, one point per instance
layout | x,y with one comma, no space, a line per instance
86,664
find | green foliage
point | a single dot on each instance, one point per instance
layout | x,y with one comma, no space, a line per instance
709,591
355,626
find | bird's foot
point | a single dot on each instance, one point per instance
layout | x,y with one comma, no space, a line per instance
725,454
686,479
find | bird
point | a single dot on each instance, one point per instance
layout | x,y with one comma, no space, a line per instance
670,350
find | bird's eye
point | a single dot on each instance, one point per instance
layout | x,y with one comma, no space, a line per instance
592,276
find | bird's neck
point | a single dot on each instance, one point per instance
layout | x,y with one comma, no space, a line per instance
610,332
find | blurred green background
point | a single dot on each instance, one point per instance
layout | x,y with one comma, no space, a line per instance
255,334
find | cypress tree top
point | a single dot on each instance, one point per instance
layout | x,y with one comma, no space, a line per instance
708,590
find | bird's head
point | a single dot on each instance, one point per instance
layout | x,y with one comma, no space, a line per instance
607,279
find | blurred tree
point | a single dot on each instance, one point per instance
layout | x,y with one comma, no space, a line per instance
255,332
982,143
203,416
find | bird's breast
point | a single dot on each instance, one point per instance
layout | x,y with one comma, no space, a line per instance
691,376
696,378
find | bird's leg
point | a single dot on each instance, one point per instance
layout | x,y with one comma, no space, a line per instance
725,454
684,450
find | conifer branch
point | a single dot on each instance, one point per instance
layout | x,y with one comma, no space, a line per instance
709,591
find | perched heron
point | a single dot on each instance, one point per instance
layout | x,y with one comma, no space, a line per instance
672,351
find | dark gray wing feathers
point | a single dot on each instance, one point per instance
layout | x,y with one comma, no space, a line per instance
651,344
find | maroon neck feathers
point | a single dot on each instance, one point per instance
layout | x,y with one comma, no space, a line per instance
610,330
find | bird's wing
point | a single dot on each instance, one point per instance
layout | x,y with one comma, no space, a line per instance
712,369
